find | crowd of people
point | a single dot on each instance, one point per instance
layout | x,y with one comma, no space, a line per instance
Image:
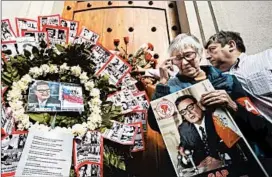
243,86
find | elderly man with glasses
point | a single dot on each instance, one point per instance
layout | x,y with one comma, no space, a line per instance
186,53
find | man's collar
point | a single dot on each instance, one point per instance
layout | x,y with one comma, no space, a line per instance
239,61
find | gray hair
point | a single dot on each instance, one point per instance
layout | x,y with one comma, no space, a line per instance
182,41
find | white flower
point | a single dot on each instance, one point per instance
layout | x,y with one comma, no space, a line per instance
83,77
14,94
16,105
79,129
35,72
89,85
91,125
64,68
23,86
53,69
76,70
96,110
26,79
45,68
95,92
41,127
96,101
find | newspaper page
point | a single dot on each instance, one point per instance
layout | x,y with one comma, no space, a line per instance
136,116
139,143
201,141
100,56
143,99
88,148
57,34
121,133
88,34
23,24
116,69
7,121
8,34
73,28
52,20
89,169
125,99
88,154
11,151
46,154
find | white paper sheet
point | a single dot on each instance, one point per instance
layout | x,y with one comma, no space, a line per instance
46,154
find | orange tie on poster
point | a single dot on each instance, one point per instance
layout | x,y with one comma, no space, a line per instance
250,107
224,132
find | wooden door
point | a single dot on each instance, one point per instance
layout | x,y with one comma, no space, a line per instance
142,21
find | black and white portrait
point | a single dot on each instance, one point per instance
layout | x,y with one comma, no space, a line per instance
9,49
26,25
11,151
89,170
100,56
121,133
88,148
7,32
116,69
57,35
139,139
137,116
90,35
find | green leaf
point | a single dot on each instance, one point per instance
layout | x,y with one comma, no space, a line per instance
27,53
60,48
35,51
42,118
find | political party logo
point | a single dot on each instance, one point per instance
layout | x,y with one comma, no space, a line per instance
165,109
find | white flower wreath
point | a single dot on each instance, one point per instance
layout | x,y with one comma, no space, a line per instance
14,98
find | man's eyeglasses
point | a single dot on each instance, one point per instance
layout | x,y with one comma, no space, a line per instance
185,111
44,91
187,56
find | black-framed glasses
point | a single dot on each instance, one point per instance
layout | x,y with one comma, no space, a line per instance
187,56
44,91
185,111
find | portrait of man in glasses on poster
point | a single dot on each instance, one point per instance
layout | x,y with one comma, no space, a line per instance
44,96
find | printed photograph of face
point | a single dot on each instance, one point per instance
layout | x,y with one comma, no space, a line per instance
44,95
190,110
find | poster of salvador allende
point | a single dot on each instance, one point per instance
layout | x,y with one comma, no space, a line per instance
202,142
46,96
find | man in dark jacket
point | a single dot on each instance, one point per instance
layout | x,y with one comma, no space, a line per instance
186,52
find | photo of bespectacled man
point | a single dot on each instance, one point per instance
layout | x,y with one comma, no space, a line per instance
44,96
201,149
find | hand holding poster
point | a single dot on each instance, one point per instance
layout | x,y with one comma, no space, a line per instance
202,141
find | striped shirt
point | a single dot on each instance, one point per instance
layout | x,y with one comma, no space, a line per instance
255,75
